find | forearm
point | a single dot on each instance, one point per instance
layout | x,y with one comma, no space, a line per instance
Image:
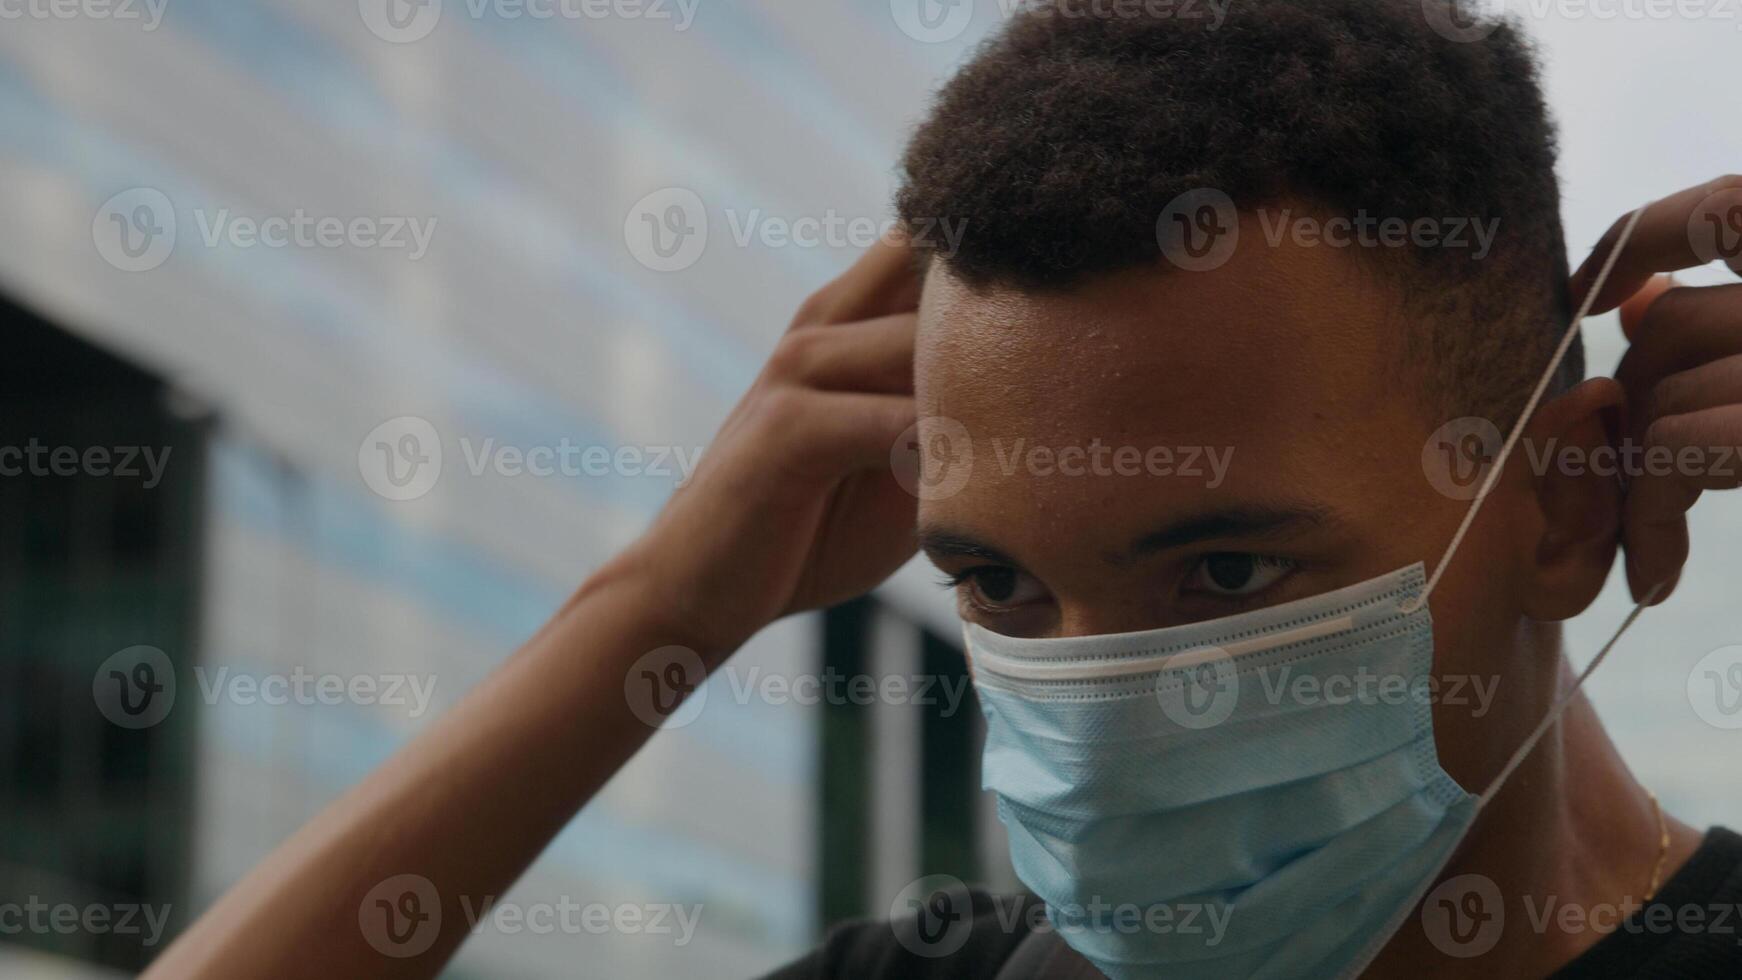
793,507
468,805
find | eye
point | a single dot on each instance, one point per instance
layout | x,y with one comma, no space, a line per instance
1232,574
998,588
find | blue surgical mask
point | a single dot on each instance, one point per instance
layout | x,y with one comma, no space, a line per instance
1258,796
1254,796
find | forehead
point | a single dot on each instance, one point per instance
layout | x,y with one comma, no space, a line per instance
1289,359
1270,325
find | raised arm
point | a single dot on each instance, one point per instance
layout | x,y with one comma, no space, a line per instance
794,506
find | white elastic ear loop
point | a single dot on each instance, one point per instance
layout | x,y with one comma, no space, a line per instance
1560,705
1542,384
1383,936
1566,698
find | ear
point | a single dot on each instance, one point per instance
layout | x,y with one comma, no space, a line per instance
1573,461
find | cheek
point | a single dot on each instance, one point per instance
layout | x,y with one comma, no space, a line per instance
1493,680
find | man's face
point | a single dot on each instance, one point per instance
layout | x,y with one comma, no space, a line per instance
1156,448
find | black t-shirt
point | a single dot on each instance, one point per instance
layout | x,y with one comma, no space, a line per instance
1692,930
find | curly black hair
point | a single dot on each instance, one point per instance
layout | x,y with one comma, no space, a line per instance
1073,127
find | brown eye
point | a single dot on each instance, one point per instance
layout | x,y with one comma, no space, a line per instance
1230,572
996,584
1235,574
998,588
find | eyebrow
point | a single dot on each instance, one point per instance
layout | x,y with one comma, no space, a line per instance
940,543
1236,522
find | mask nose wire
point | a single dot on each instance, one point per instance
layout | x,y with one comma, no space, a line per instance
1499,464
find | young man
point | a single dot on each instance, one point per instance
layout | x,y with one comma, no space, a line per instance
1095,310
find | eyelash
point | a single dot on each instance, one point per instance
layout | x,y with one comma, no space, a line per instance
966,576
1260,563
958,579
955,581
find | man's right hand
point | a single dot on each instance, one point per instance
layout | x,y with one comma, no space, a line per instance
795,505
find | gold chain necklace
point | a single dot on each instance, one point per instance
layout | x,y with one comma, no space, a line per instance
1662,847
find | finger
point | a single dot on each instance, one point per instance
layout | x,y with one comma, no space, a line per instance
1683,328
1640,586
1671,235
839,432
1708,385
1633,310
1697,449
1682,456
869,356
885,280
1655,549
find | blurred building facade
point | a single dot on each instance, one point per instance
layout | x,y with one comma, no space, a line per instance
155,171
620,205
